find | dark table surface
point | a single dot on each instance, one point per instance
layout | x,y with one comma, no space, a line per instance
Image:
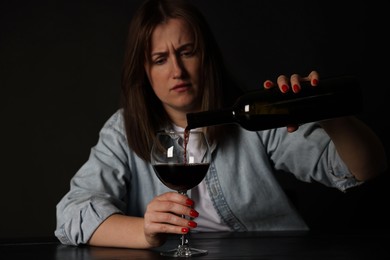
363,244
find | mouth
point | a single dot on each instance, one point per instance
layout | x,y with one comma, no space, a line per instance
181,87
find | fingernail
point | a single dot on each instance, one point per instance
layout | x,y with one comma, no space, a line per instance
192,224
189,202
284,88
185,230
268,84
194,213
296,88
314,82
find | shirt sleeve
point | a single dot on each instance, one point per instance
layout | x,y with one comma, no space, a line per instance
98,189
310,155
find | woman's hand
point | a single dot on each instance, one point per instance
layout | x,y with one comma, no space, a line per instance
292,83
163,216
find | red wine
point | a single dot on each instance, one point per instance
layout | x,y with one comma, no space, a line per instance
186,140
181,177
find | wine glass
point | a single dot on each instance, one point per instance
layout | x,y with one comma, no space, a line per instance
181,161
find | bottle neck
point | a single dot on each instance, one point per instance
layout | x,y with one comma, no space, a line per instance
210,118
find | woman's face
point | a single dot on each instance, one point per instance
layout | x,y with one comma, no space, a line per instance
173,70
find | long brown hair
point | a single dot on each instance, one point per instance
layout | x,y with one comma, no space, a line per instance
144,114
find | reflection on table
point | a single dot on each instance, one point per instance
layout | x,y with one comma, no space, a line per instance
364,244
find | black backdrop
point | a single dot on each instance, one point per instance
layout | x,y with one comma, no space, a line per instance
60,65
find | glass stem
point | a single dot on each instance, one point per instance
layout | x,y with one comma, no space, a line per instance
184,238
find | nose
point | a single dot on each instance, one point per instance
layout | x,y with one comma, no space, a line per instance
177,67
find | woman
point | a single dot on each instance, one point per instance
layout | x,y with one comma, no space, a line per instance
173,67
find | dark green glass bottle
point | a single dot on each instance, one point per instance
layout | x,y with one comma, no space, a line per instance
266,109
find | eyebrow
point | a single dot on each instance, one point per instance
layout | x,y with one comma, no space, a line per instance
184,46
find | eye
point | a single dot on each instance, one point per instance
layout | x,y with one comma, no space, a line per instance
187,53
159,61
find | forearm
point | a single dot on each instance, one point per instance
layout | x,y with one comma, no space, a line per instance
120,231
358,146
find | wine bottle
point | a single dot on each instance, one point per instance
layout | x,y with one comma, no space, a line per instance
264,109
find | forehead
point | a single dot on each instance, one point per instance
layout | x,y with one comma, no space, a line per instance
175,32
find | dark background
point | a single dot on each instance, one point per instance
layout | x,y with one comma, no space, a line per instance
60,65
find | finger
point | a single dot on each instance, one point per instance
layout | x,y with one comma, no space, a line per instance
175,197
166,228
167,223
292,128
167,218
314,78
295,82
171,207
161,227
283,83
268,84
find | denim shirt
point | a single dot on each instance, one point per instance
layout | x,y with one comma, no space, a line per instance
240,181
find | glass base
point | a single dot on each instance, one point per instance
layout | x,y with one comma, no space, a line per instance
184,251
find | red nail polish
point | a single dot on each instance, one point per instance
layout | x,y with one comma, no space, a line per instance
268,84
296,88
314,82
184,230
194,213
192,224
284,88
189,202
